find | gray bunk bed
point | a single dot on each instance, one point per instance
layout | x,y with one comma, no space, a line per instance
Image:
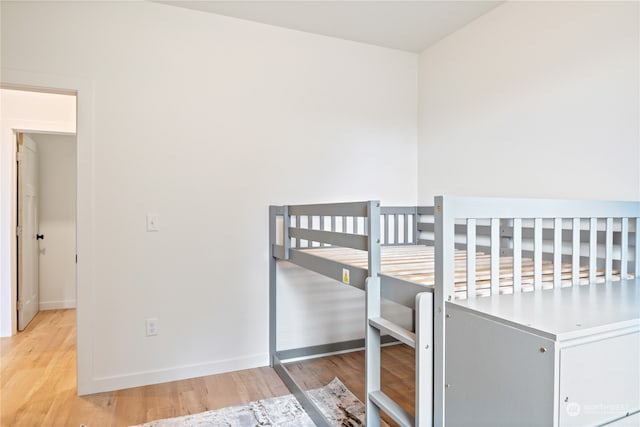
452,253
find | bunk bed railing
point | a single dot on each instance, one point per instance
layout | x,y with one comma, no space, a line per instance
309,226
365,226
598,234
346,225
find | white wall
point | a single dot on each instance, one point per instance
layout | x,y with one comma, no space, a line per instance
22,111
206,120
57,220
534,99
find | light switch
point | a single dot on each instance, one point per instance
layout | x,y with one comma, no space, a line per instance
153,222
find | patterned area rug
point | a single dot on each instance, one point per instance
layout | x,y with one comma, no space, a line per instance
335,400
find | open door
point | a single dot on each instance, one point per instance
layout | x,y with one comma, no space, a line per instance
28,274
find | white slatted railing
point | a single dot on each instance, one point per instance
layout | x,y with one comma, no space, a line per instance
562,241
544,252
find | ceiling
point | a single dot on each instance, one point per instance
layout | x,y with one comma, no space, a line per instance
406,25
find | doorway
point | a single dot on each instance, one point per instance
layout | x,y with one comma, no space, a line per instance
26,112
46,215
82,90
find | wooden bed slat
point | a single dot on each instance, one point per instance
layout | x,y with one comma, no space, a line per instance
415,264
388,229
405,226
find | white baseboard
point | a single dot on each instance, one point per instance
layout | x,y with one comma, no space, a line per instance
57,305
136,379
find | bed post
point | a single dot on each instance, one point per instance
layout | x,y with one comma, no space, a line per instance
272,285
424,360
372,334
444,286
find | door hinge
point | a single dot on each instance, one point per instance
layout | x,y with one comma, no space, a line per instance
19,156
20,305
76,258
18,231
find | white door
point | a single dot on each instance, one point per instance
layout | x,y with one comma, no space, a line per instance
28,277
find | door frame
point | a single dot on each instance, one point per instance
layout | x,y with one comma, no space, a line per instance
85,212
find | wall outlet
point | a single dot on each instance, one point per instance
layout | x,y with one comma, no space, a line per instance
152,327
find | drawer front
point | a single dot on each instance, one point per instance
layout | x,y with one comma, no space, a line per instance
599,381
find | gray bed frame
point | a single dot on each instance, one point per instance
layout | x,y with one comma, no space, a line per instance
600,235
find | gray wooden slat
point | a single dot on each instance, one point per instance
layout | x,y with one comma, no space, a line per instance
278,251
400,291
395,411
309,406
328,267
395,330
285,356
388,229
398,210
345,240
373,239
426,210
426,226
338,209
286,223
406,229
372,310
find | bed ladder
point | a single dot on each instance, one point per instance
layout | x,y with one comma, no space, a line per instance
421,340
376,325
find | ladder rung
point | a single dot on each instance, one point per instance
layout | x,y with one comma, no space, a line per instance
392,409
395,330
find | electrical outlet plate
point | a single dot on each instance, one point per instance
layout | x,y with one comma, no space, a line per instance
153,222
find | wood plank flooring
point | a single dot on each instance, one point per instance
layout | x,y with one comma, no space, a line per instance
38,382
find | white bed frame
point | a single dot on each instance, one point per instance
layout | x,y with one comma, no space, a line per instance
534,228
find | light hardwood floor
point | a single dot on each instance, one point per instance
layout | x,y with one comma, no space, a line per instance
38,382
